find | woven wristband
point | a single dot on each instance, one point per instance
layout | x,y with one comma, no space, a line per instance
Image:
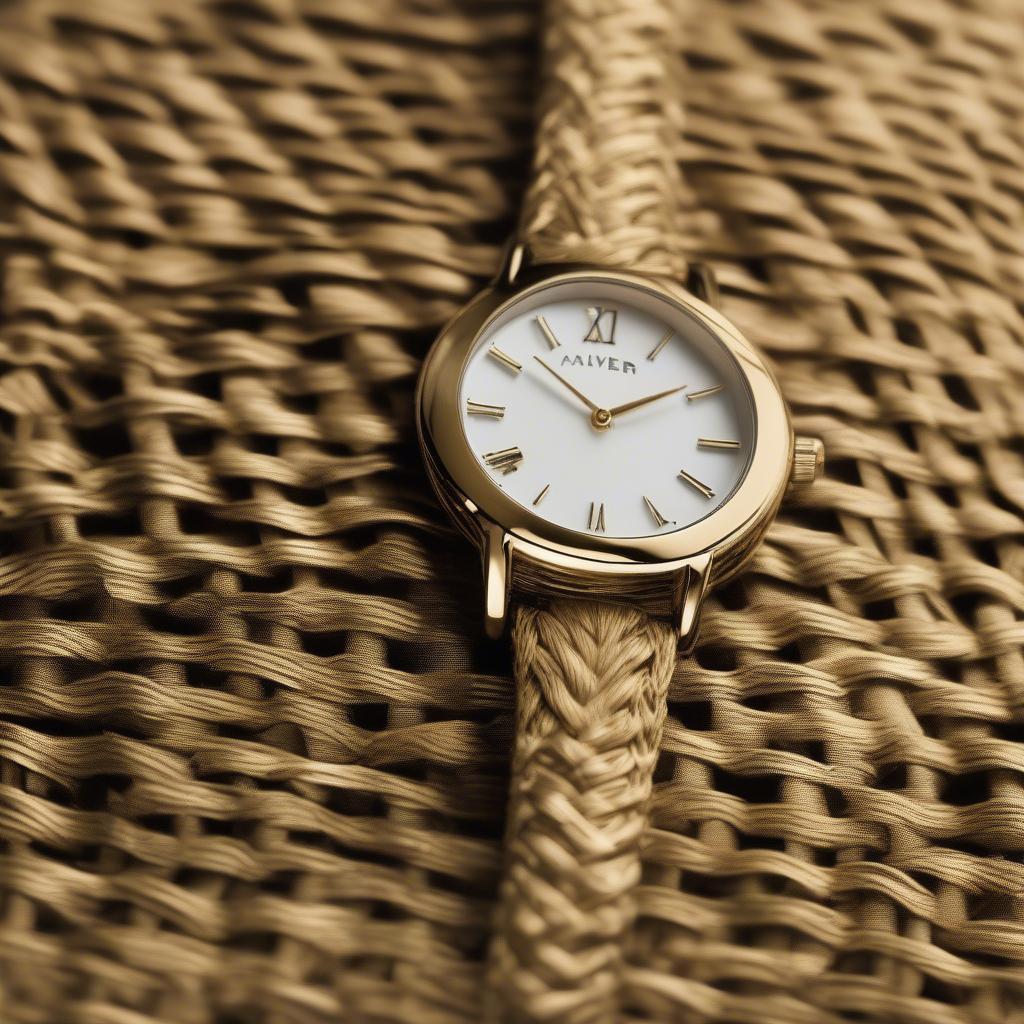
591,678
606,184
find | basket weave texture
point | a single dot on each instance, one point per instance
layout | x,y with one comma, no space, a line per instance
253,746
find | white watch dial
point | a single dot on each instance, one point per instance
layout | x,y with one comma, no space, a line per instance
605,409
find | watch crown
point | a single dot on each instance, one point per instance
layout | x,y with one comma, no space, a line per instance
808,460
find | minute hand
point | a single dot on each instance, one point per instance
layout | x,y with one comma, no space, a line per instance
645,401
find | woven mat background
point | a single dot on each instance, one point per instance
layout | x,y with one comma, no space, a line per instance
253,746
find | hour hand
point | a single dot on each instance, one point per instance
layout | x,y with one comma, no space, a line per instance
561,380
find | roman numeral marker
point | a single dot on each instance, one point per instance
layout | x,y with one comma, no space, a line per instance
507,460
716,443
543,492
696,484
505,359
602,324
659,519
596,519
482,409
653,354
705,393
545,329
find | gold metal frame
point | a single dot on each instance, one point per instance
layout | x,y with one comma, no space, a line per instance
687,559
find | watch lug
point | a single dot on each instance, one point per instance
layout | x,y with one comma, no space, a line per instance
689,590
514,259
702,282
497,579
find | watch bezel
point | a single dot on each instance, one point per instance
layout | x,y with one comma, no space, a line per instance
464,485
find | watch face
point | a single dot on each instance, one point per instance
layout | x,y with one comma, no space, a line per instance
606,409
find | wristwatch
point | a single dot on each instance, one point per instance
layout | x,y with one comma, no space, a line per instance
613,446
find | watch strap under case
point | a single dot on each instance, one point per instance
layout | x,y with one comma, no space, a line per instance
592,681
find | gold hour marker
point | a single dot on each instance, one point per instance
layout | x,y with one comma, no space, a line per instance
545,329
696,484
704,393
659,519
602,324
714,442
653,354
482,409
596,519
505,359
543,492
507,460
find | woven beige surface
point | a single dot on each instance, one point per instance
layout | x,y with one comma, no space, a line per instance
253,748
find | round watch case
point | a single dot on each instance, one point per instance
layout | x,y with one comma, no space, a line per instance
729,534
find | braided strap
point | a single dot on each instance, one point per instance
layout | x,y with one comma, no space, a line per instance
592,682
606,184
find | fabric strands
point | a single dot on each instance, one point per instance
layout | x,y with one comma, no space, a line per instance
253,748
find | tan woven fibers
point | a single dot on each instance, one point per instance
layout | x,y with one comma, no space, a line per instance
591,687
253,747
606,185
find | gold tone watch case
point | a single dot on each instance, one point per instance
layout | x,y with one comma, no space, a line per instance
669,573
